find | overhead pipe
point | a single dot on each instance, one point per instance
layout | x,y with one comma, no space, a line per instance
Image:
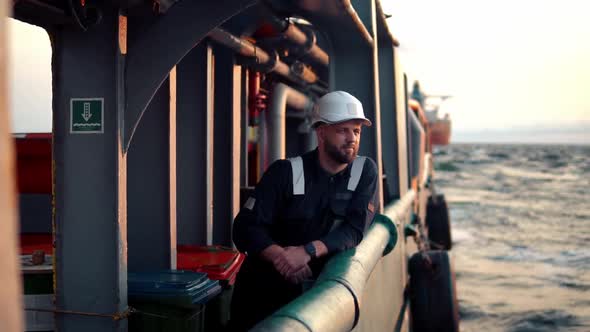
266,61
282,95
304,38
357,21
248,49
49,8
384,18
304,72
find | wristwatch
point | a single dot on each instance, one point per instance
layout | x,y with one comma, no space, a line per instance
310,250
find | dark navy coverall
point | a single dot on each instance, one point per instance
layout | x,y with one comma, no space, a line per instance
280,217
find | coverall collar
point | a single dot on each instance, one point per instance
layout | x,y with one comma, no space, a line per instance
320,172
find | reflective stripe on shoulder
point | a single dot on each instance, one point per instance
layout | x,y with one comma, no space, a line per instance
355,172
250,203
298,177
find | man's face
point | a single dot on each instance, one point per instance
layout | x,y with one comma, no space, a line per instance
341,141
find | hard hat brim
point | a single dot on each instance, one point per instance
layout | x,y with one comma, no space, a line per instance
365,121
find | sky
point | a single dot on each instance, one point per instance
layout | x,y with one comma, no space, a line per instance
30,77
518,70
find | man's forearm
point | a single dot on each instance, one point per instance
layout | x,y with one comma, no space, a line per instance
344,237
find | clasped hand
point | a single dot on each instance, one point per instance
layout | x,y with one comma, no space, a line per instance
291,263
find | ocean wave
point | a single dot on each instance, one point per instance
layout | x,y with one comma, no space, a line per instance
468,195
557,164
521,286
476,161
469,311
582,303
461,235
440,152
569,281
499,155
525,254
547,320
554,156
446,167
574,285
533,175
579,258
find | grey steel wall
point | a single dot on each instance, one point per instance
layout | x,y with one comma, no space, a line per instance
149,188
414,134
192,74
388,120
401,122
209,154
295,142
227,138
35,213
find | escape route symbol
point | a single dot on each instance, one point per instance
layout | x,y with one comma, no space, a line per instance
87,115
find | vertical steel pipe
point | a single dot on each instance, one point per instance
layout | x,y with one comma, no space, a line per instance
282,95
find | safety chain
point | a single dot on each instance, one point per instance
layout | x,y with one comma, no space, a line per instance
116,316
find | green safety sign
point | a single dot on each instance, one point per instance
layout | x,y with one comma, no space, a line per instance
87,115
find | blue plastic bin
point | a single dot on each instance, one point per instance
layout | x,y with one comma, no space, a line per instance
169,300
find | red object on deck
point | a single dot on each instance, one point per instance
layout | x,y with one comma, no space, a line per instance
220,263
33,160
31,242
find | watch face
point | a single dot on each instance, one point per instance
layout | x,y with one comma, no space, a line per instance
310,249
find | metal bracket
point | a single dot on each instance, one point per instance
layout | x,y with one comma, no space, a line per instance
410,230
164,43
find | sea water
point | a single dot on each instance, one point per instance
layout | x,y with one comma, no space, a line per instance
521,232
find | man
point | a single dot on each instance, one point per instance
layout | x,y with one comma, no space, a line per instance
302,211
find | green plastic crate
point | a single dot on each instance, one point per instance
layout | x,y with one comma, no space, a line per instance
218,311
156,317
41,283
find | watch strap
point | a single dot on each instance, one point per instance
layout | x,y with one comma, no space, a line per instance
310,250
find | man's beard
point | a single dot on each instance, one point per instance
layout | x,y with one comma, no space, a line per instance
339,155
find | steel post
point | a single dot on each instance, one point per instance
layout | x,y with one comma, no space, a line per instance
90,220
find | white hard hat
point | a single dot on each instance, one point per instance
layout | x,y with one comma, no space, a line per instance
336,107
